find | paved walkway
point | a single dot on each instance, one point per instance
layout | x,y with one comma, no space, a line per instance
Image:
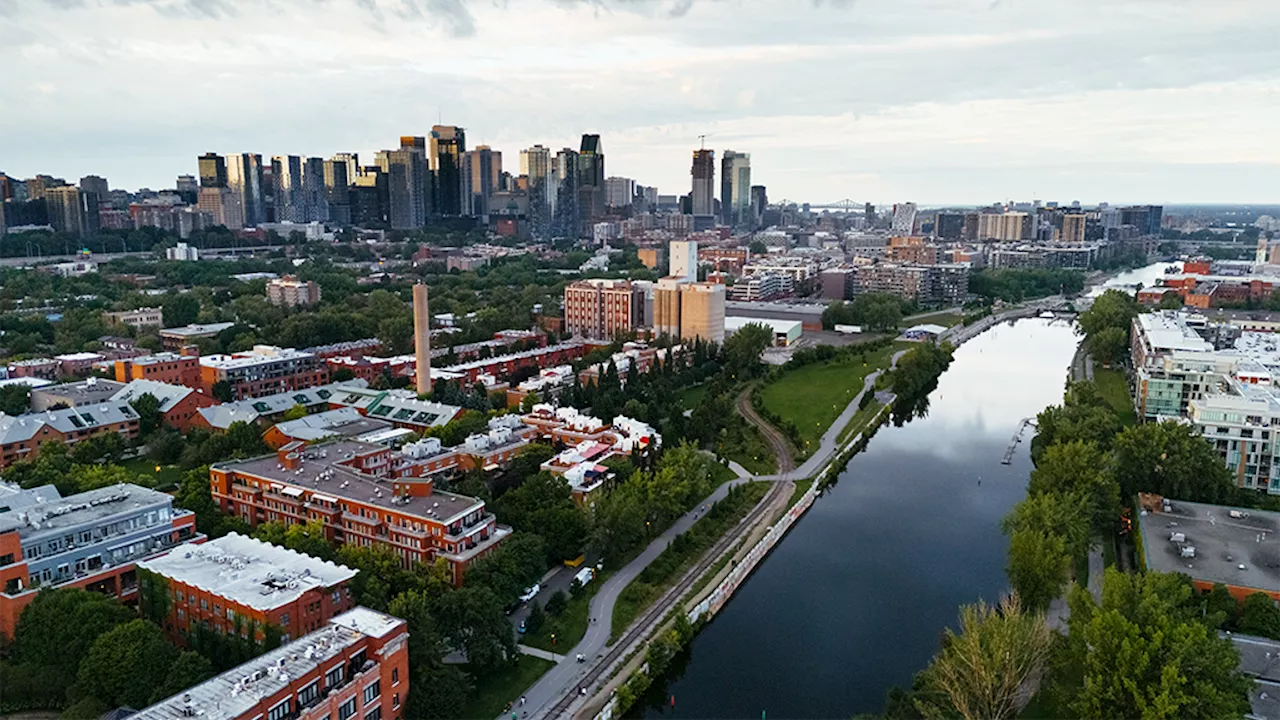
539,653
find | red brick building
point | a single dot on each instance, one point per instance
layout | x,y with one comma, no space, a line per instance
22,435
165,367
354,667
179,404
237,585
363,494
265,370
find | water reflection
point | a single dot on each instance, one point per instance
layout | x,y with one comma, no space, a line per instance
1128,280
853,601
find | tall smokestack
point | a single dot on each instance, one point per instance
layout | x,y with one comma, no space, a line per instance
422,338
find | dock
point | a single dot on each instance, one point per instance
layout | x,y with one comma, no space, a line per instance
1017,438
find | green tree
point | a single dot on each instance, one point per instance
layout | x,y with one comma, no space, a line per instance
1084,415
1259,616
1079,467
436,690
742,350
188,670
619,520
222,391
472,622
307,538
1064,515
544,504
1219,607
557,603
1109,345
1169,459
536,617
127,665
983,670
515,565
297,411
1038,566
180,309
149,416
60,625
1171,301
1146,654
1111,309
14,399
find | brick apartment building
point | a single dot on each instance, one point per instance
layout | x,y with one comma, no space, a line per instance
179,404
140,318
364,494
165,367
178,337
602,309
289,291
235,583
355,667
21,435
90,540
265,370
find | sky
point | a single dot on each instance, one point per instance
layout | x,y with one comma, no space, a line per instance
932,101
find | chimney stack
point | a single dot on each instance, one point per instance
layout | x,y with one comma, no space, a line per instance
422,338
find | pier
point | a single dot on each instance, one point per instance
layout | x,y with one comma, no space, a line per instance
1017,438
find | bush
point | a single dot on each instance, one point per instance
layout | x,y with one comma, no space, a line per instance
557,603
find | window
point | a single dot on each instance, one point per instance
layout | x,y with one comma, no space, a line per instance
337,596
374,714
347,709
372,691
279,712
309,694
395,701
395,676
333,678
284,619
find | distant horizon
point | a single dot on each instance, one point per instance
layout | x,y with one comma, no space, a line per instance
879,100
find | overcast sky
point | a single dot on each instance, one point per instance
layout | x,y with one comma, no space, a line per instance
936,101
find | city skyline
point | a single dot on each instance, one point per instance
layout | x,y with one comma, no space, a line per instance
1125,101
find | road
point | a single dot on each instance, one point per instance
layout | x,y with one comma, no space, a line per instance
772,437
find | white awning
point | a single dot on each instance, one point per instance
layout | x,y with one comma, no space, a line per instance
324,498
292,492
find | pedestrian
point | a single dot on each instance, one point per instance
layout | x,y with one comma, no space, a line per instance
522,699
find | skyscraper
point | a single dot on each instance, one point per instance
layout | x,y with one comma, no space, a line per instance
704,175
406,187
96,185
370,198
339,171
591,191
735,189
286,173
759,201
447,145
213,170
565,220
72,210
481,171
244,176
314,197
619,191
426,181
904,218
535,163
223,204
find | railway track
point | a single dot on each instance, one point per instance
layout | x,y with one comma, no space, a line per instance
659,610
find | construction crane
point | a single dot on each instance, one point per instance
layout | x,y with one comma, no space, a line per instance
702,142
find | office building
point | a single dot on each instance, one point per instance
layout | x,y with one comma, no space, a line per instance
591,181
223,205
949,226
682,259
363,494
72,210
289,291
619,191
405,172
315,199
244,177
22,435
535,164
213,170
355,667
89,540
759,201
702,312
447,144
481,177
239,585
566,220
602,309
735,190
704,174
289,197
264,370
371,198
96,185
138,318
339,171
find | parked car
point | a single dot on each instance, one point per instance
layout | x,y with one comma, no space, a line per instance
530,593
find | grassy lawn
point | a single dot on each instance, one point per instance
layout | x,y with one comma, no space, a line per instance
813,396
859,421
802,486
721,474
495,689
571,625
168,475
684,551
1115,389
744,446
945,319
690,397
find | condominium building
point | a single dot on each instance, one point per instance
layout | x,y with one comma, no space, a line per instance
140,318
72,210
85,393
364,495
264,370
666,305
224,204
178,337
22,435
179,405
238,585
797,268
682,259
291,292
90,540
602,309
1242,426
354,667
165,367
763,286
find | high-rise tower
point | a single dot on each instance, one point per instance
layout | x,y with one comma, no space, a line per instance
447,145
704,175
213,170
735,189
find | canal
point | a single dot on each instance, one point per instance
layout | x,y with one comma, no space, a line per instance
855,598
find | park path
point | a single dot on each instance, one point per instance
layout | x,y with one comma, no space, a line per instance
772,437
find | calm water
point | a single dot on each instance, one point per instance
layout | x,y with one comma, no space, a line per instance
1146,276
854,599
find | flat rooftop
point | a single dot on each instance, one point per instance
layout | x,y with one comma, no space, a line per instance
1168,331
85,392
44,510
236,692
197,330
1243,551
248,571
351,485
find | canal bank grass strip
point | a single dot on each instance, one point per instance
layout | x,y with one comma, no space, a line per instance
495,688
1115,390
811,397
859,421
681,554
